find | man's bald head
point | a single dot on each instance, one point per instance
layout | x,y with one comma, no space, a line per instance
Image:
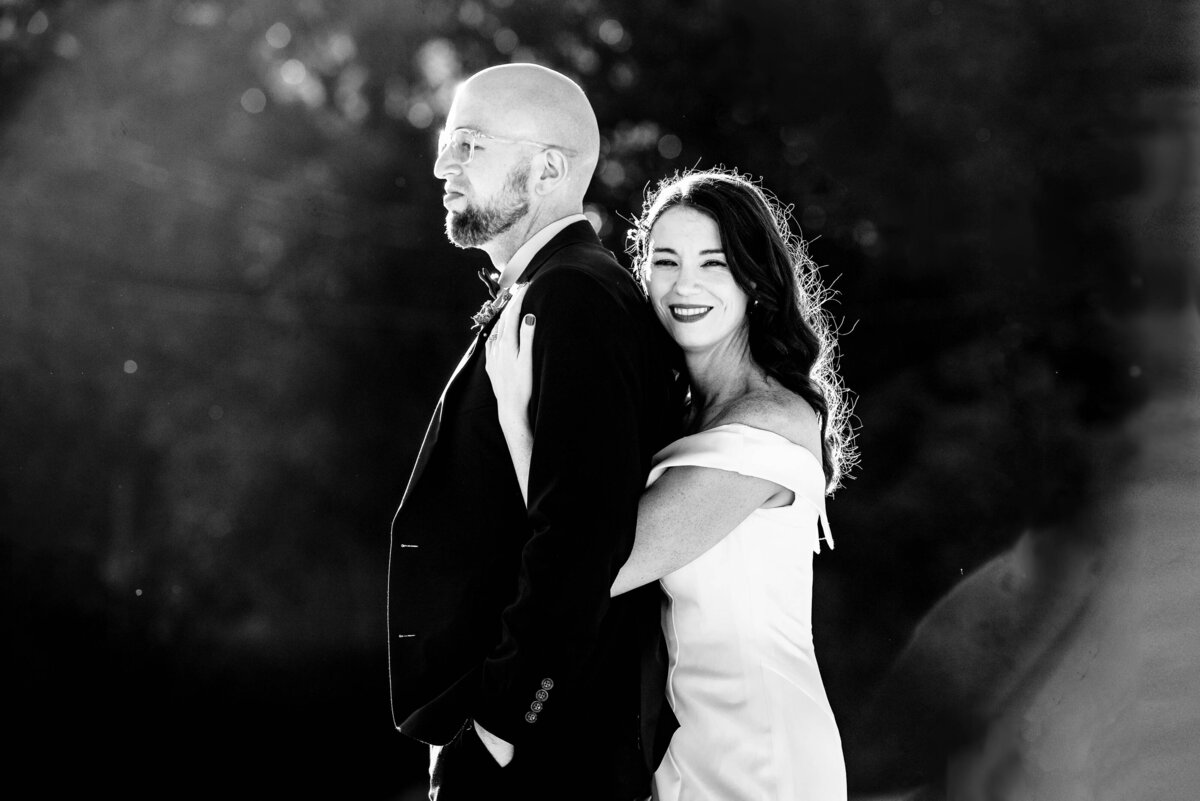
527,101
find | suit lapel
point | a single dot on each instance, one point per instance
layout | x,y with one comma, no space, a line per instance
576,233
435,422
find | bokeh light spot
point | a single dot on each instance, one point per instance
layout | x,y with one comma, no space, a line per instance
866,234
471,14
67,46
670,146
598,216
341,47
293,72
130,367
138,592
278,35
506,40
438,61
38,23
813,218
254,101
622,76
611,32
201,15
612,173
420,115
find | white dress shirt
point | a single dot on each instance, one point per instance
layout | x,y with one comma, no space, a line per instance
520,260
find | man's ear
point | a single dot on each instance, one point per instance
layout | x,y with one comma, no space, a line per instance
552,170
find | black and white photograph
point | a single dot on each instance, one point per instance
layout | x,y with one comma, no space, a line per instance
601,400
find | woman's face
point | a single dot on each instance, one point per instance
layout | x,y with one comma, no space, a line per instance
690,283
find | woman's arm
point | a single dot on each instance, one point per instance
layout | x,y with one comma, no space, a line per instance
509,364
684,513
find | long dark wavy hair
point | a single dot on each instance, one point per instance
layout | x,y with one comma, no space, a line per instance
791,334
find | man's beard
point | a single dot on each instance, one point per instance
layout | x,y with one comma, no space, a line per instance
475,225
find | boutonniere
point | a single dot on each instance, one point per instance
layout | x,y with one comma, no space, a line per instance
489,310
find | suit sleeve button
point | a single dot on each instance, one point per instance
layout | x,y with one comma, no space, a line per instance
541,695
547,684
536,706
531,717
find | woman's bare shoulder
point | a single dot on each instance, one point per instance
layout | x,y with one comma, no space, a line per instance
780,411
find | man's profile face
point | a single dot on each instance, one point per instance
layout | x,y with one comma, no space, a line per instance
475,221
489,194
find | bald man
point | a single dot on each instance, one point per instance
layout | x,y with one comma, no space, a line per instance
506,653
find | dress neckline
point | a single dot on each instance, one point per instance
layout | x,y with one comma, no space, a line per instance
816,459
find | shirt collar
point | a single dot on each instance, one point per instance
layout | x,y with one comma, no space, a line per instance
520,260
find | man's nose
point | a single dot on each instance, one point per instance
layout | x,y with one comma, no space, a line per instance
445,164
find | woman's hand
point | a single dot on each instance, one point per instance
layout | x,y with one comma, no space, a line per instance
509,363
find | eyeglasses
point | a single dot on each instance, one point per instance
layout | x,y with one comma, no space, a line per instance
463,142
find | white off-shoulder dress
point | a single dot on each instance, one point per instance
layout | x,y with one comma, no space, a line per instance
754,721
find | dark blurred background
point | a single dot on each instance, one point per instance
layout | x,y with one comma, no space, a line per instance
227,307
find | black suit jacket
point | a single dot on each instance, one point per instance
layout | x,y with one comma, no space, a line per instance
501,614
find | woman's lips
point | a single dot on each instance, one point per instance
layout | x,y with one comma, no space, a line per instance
689,314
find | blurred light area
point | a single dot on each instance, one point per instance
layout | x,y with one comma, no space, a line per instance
670,146
866,235
253,100
622,76
812,219
293,72
241,18
38,23
612,173
578,53
278,35
201,15
420,115
599,217
130,367
350,96
612,33
471,14
293,82
8,28
438,61
67,46
506,40
340,48
634,137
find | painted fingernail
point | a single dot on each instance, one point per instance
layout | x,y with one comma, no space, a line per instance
530,319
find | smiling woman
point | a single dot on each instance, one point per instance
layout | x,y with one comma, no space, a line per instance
694,294
726,276
732,512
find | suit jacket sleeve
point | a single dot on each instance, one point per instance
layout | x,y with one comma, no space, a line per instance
586,477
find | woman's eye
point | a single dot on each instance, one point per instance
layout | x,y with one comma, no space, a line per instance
660,263
715,263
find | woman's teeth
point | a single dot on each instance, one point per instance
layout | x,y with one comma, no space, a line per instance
689,314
